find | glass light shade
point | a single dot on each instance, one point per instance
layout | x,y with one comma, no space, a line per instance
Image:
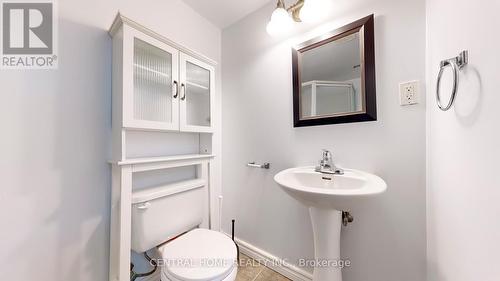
314,10
307,11
280,22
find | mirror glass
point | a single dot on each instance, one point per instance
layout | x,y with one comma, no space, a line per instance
334,76
331,78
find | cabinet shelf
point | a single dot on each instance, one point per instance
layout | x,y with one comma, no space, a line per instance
197,86
162,190
147,160
145,68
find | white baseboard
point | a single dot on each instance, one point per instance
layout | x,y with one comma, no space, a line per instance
288,270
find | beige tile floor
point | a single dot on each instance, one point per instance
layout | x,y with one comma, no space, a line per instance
251,270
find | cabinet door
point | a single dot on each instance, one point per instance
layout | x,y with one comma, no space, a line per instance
197,95
151,94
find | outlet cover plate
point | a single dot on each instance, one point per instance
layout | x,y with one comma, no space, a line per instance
409,93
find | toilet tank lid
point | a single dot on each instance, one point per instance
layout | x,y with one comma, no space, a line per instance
200,254
155,192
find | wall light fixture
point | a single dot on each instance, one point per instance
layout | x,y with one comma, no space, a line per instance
283,18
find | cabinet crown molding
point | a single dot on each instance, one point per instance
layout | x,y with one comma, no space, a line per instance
121,20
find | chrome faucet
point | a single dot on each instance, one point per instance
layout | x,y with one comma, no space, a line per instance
326,165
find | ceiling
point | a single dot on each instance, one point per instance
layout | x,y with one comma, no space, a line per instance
223,13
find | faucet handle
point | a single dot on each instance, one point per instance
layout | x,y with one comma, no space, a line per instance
326,154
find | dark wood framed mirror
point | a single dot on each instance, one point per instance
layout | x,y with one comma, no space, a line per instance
334,76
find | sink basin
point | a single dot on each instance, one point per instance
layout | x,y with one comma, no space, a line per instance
340,192
327,195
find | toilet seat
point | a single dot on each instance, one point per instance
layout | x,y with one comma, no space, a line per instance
231,277
199,255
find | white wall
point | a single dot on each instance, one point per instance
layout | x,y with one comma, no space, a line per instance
387,240
463,189
56,140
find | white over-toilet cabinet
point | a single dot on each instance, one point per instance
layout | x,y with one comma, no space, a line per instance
159,88
163,87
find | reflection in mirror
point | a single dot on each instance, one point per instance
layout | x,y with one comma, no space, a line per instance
331,78
334,76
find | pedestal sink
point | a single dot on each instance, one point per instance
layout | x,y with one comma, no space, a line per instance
327,195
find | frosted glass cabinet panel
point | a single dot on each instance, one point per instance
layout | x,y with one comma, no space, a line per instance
152,83
164,89
154,100
196,95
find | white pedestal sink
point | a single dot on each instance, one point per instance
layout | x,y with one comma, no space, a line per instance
327,196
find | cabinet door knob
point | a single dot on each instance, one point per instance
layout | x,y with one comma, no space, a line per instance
183,89
176,89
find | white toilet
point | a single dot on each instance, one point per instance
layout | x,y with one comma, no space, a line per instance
161,214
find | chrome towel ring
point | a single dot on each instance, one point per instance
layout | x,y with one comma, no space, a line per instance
456,64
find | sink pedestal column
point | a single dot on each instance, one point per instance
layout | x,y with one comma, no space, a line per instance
326,225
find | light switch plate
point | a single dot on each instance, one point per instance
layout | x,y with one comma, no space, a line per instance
409,93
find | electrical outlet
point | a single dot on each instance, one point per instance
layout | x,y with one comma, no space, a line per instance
408,93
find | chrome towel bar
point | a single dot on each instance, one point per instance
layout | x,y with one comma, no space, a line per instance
262,166
456,64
